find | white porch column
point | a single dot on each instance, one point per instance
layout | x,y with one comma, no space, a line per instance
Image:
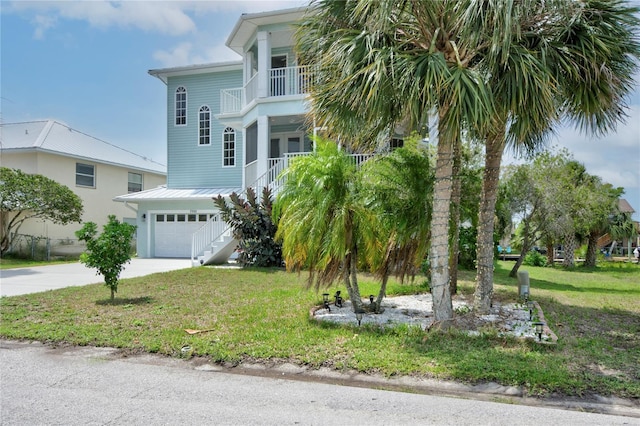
264,63
263,145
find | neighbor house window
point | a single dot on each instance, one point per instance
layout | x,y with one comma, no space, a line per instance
204,125
135,182
396,143
181,106
229,147
85,175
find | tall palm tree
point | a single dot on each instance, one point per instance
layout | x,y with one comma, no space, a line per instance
547,60
384,64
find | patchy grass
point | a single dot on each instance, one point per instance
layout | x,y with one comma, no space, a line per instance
263,315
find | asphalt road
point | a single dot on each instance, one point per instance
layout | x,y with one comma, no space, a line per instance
97,386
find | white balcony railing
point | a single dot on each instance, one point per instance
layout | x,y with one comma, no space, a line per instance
231,100
281,82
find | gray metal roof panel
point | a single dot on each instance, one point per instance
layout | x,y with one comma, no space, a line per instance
162,193
55,137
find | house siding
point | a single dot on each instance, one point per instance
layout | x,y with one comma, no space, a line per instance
189,164
110,181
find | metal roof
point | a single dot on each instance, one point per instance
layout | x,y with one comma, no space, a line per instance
57,138
162,193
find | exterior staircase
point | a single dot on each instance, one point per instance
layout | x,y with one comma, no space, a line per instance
214,243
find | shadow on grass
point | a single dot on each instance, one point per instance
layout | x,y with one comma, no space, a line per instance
548,285
125,301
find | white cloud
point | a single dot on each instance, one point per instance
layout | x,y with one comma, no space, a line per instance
186,54
165,17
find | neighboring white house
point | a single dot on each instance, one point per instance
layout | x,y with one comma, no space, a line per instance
95,170
229,125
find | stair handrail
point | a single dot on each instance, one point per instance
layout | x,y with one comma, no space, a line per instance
215,228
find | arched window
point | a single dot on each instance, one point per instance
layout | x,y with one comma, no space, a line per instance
204,125
229,147
181,106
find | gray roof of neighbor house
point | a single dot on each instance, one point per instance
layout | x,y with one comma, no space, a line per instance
624,206
162,193
57,138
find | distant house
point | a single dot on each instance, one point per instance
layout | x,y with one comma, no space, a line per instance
95,170
625,245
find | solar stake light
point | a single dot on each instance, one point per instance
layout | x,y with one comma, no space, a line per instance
325,301
539,326
338,298
359,314
371,299
530,306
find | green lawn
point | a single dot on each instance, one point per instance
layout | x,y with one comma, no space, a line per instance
264,315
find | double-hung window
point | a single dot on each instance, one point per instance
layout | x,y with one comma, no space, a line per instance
85,175
204,125
135,182
181,106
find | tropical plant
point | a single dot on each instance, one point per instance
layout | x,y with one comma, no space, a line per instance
252,227
383,65
547,60
322,223
396,188
109,252
25,196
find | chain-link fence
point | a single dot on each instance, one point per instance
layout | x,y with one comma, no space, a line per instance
43,248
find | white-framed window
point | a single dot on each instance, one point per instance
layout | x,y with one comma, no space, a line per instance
181,106
204,125
135,182
229,147
85,175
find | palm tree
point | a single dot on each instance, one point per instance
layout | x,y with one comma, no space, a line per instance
389,64
547,60
321,221
396,187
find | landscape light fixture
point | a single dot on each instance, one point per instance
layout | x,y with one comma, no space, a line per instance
525,295
530,306
371,299
338,301
539,326
325,301
359,314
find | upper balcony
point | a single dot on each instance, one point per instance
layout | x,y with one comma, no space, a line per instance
285,81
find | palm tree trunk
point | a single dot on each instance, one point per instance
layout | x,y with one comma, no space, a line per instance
569,249
455,220
592,250
484,277
550,254
439,250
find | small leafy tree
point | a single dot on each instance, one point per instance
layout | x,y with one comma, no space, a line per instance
24,196
108,252
252,227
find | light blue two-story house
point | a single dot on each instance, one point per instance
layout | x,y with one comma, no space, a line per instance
229,126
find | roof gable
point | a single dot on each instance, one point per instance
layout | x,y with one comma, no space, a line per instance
54,137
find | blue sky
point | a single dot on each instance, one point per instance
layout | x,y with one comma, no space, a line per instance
85,63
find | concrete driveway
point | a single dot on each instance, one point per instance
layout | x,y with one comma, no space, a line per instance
18,281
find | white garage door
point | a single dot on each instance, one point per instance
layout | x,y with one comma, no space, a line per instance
173,233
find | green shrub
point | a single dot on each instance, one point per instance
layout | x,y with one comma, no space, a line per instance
533,258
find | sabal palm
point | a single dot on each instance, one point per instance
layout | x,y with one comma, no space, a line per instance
547,60
384,64
320,218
